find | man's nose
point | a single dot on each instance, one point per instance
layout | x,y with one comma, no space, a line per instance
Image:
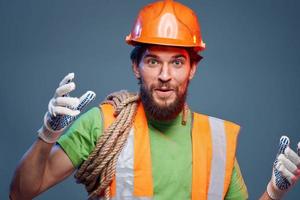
164,75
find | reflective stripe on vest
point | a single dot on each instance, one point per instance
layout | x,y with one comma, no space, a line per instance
213,146
218,161
133,178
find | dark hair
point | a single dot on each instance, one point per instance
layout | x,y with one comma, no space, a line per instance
139,50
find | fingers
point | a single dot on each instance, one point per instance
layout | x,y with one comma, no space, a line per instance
66,85
283,143
82,102
65,89
292,156
288,161
70,105
60,110
287,169
85,99
71,102
298,149
68,78
63,104
285,172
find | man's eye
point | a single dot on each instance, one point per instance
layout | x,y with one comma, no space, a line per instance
178,63
152,62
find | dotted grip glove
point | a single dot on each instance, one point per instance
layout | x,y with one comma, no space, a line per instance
63,109
286,169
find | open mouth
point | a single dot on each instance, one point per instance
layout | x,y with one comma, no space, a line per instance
163,92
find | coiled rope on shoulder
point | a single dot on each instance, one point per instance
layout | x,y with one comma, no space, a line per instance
97,172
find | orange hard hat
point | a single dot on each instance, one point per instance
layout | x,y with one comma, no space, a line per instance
167,23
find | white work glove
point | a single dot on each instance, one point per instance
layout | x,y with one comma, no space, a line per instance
63,109
286,169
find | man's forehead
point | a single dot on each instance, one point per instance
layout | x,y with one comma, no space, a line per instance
160,50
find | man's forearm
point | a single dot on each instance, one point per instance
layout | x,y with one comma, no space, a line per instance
28,176
265,196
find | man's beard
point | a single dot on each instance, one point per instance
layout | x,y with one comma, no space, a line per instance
166,111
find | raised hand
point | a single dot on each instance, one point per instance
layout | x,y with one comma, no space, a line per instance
286,169
63,109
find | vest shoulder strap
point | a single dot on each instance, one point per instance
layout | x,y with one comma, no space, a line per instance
107,114
108,118
214,145
142,167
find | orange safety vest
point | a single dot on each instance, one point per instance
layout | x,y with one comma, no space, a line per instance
213,146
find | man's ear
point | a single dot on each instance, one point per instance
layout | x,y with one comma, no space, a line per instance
136,70
193,71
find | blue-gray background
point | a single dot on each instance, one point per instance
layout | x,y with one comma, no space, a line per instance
250,73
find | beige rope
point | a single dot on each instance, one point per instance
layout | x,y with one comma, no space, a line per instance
97,172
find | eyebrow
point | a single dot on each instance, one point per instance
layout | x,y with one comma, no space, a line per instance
157,57
179,56
151,56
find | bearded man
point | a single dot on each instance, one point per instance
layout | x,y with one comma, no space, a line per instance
146,145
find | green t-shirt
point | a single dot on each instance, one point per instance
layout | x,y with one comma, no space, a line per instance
171,154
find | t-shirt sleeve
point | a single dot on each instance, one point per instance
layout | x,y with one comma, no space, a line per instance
237,189
81,137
